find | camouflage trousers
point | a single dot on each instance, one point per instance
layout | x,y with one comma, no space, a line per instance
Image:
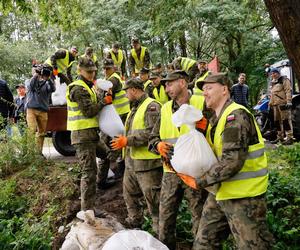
86,154
172,192
244,218
142,184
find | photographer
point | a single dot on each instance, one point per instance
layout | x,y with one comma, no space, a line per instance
37,105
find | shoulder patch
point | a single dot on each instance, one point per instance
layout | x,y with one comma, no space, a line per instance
230,118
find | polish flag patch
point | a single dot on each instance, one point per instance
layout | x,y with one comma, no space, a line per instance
230,118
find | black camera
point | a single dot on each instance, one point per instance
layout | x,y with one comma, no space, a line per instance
43,70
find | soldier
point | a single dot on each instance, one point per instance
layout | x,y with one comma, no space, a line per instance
163,137
89,52
148,87
188,65
241,172
139,57
281,102
61,62
143,172
158,89
203,73
118,56
83,106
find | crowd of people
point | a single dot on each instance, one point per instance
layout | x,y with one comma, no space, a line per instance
145,103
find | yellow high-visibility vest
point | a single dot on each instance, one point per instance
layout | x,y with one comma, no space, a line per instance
138,125
186,63
252,179
120,102
196,90
62,64
147,83
168,132
117,60
76,119
139,62
162,97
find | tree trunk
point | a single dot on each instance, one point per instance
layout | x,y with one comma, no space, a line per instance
182,45
285,14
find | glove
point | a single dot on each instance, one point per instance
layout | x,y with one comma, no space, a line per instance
119,142
289,105
165,149
202,125
55,72
188,180
107,100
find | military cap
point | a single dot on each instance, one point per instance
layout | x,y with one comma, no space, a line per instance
174,75
220,78
144,71
116,45
86,64
134,83
154,75
89,50
202,61
20,86
135,40
108,63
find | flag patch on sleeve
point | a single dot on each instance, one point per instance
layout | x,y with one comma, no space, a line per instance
230,118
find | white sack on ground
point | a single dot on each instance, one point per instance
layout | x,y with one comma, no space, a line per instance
133,239
90,233
192,154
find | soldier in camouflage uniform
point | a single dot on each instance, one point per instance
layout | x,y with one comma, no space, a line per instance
143,172
83,106
239,205
173,189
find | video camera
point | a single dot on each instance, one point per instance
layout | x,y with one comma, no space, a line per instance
43,70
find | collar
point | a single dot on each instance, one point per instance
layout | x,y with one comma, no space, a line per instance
214,119
136,103
89,83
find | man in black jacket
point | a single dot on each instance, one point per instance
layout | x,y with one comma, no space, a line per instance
6,104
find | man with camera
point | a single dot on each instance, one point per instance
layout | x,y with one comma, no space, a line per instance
38,94
281,102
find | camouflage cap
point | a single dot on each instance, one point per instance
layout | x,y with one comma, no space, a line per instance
86,64
108,63
89,50
221,78
135,40
174,75
144,71
134,83
154,75
202,61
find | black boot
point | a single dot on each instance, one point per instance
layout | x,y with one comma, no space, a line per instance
106,184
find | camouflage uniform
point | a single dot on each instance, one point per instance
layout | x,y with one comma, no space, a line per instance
172,192
245,217
86,141
142,178
281,94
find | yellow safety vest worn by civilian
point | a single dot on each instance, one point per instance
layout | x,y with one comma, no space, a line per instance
186,63
162,97
252,179
196,90
117,60
139,62
168,132
94,57
62,64
138,125
120,102
76,119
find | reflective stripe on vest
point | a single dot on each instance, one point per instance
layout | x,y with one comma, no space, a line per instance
138,125
62,64
162,97
76,119
168,132
186,63
117,60
252,179
139,62
120,102
196,90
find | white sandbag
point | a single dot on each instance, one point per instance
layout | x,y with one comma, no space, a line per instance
92,233
59,95
192,154
103,84
133,239
110,122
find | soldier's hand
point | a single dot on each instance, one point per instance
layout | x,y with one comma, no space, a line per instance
119,142
107,100
55,72
188,180
165,149
202,125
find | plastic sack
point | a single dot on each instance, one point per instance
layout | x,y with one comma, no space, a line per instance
193,155
103,84
133,239
59,96
92,233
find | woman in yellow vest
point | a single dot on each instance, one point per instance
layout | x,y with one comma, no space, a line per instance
143,172
241,174
84,105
